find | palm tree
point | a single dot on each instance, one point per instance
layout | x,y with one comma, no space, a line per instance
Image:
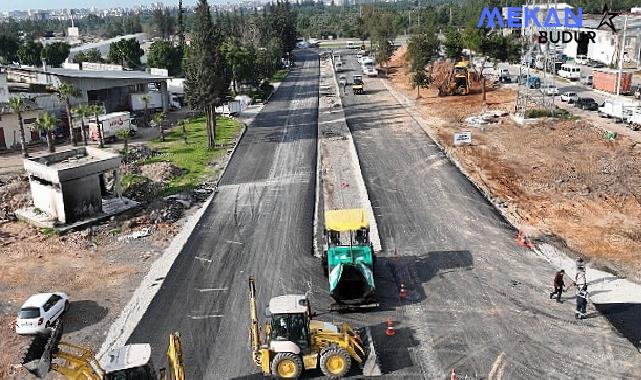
145,99
97,109
65,93
83,111
123,133
158,119
47,122
16,104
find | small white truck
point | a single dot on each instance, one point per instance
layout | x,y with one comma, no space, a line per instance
111,123
137,101
229,108
617,110
634,119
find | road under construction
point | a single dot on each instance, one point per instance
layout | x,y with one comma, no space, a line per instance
455,290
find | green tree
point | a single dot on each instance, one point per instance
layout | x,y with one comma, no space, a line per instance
91,55
8,48
453,43
16,104
163,55
123,133
83,111
206,71
47,122
29,53
54,54
420,51
163,23
126,52
145,100
159,118
384,53
65,93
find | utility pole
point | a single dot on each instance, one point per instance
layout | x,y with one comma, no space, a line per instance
621,53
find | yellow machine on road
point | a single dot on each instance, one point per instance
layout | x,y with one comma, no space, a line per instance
294,341
78,363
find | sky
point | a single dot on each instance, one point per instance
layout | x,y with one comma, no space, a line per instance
8,5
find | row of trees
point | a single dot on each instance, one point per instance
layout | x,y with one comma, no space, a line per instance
234,48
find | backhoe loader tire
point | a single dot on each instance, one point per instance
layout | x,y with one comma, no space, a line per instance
335,362
287,365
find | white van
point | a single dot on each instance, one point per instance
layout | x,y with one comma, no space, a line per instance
570,71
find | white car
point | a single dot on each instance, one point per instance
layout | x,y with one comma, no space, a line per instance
569,96
40,311
359,58
342,80
550,90
371,72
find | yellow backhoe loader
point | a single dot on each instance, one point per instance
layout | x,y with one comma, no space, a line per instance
295,342
48,353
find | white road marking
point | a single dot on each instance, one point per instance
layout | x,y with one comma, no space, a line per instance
212,290
203,259
233,242
207,316
495,366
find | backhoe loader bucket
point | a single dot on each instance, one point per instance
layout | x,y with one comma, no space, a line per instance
37,360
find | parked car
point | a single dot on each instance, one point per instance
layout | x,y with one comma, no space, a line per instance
581,60
570,71
550,90
596,64
40,311
586,80
586,104
569,96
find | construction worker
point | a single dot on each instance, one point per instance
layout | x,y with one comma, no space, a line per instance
581,301
579,278
559,284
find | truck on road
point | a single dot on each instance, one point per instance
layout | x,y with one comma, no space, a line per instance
110,124
357,85
348,259
617,110
137,101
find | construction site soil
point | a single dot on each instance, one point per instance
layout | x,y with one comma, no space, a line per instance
98,267
558,180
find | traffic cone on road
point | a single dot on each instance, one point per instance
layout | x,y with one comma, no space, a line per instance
390,328
453,374
403,293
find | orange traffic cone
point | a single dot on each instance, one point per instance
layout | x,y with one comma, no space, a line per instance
453,374
390,328
403,293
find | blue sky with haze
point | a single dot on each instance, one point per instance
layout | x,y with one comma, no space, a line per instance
8,5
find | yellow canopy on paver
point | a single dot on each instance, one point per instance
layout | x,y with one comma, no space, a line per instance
346,220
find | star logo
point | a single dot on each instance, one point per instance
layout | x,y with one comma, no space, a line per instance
607,19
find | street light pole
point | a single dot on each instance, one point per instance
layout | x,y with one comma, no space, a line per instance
622,48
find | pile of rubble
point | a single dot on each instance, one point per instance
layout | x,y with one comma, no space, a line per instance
161,171
14,194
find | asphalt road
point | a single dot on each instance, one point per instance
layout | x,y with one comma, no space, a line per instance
477,302
260,223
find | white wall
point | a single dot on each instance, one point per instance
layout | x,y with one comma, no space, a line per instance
9,124
48,199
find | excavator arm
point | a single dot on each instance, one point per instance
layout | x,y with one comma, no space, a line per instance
260,354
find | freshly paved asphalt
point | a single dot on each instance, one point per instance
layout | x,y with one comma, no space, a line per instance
477,302
260,223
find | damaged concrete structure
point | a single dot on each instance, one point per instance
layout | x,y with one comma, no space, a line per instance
75,186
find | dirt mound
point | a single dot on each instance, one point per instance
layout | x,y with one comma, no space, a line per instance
559,180
161,172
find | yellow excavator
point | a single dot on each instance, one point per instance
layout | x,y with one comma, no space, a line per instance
295,342
48,353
